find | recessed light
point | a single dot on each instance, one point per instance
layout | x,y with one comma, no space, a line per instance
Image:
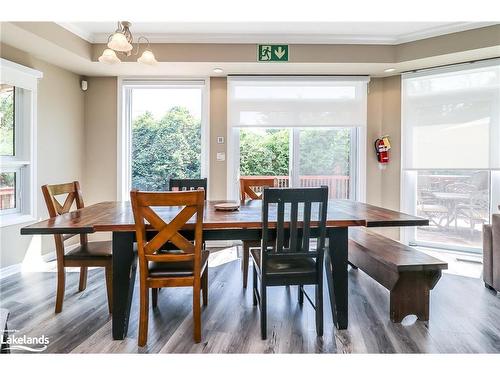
389,70
218,70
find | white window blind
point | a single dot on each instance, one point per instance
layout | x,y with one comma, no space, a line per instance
451,117
297,101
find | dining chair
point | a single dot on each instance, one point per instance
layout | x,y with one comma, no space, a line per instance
182,184
158,269
251,188
86,253
291,260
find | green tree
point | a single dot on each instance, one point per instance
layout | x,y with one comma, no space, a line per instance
264,154
7,121
322,152
165,148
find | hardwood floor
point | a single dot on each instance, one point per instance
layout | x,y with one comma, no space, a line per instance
464,317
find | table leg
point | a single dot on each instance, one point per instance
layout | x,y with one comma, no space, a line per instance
124,269
336,275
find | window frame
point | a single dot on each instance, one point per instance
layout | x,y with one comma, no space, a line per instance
124,130
23,162
409,174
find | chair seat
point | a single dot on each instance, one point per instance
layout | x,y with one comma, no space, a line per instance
90,250
275,266
176,269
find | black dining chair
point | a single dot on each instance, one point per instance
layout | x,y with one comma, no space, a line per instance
291,260
181,184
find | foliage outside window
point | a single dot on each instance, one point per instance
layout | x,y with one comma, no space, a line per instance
325,152
7,140
7,99
266,152
164,148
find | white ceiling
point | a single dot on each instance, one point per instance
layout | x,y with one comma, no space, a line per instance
275,32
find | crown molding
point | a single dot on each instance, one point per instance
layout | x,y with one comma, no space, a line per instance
442,30
286,38
75,29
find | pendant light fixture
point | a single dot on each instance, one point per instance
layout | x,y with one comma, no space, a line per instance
122,42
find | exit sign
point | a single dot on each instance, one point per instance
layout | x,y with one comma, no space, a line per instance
272,52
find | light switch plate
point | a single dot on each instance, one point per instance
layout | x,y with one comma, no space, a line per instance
221,156
220,140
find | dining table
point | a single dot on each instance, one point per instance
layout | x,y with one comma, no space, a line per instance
245,223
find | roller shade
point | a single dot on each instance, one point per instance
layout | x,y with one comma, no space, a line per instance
297,101
451,117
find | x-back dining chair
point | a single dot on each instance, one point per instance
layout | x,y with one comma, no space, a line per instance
157,269
291,260
249,188
86,254
182,184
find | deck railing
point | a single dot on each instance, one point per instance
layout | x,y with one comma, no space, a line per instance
338,186
7,197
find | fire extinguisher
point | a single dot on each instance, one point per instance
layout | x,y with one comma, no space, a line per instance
382,147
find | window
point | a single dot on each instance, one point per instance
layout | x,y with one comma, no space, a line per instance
17,125
306,131
451,154
166,123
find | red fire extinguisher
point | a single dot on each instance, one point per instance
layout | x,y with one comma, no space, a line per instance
382,147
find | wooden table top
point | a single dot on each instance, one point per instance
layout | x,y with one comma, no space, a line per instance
117,216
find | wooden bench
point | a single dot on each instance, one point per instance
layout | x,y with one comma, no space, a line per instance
409,274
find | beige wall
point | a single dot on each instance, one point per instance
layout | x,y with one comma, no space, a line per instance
218,128
100,139
384,117
60,142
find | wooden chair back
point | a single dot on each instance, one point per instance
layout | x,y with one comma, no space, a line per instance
56,208
186,184
248,184
292,239
192,203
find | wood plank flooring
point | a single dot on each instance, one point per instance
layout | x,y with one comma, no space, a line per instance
464,318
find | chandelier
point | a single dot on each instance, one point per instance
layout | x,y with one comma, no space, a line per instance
121,42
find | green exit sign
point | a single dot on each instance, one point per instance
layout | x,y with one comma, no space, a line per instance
273,52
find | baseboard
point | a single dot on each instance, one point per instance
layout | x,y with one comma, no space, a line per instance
16,268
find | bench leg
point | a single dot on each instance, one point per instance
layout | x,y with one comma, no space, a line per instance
411,295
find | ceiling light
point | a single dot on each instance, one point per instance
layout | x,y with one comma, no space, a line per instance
122,41
218,70
389,70
109,57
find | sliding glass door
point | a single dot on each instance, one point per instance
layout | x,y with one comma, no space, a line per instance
305,131
451,157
